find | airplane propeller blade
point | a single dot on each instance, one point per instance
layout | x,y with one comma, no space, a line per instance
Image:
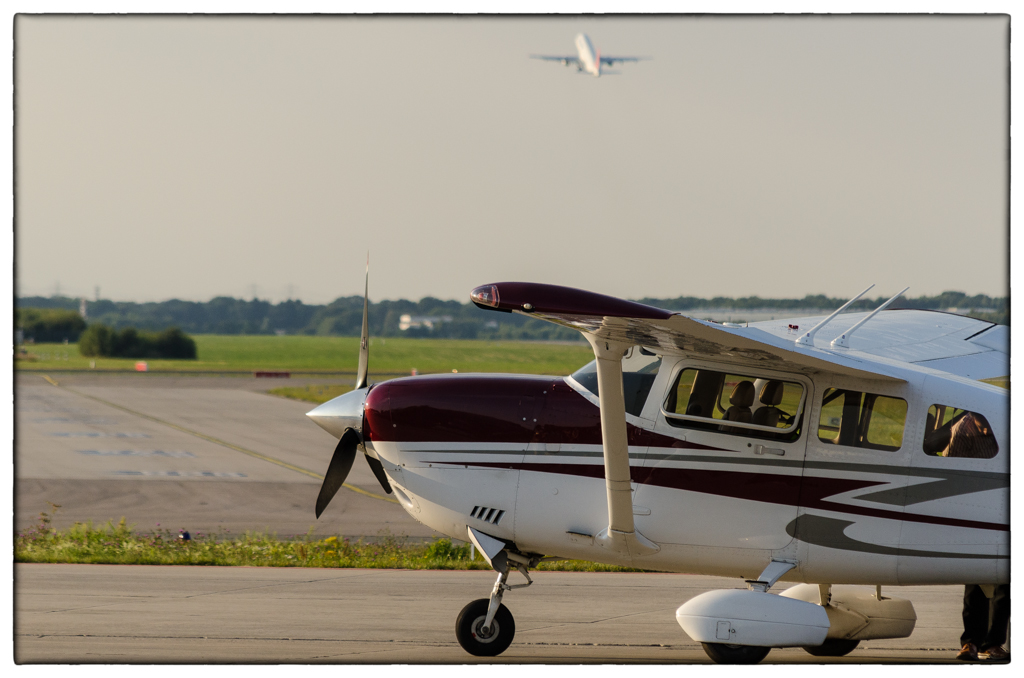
346,410
337,471
378,472
364,341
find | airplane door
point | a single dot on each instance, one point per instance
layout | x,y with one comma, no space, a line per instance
855,478
970,495
712,485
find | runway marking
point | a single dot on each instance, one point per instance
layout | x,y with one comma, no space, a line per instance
97,434
67,420
217,441
183,474
176,454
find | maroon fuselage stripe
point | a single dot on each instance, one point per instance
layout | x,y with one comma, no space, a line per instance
534,409
808,492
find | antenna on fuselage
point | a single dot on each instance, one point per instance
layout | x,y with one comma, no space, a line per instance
843,340
807,339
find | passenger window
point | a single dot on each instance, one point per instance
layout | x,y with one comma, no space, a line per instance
857,419
639,369
953,432
701,399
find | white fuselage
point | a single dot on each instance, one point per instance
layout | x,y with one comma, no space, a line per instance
724,504
590,59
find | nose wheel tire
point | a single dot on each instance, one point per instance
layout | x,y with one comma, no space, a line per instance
833,648
721,653
471,635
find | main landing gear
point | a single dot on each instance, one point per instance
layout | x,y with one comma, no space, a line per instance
721,653
834,647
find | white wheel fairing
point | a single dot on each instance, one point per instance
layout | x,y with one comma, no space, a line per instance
741,617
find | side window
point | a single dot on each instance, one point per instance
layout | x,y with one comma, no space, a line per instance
639,369
715,401
857,419
953,432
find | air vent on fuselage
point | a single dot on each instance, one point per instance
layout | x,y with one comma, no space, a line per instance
487,514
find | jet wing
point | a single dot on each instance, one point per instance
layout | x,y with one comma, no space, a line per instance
669,333
564,59
612,60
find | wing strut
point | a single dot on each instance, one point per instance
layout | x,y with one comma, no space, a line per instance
620,535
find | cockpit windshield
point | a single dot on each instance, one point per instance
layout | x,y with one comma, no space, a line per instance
639,369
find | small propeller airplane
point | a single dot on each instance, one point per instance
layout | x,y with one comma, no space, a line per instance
843,453
587,59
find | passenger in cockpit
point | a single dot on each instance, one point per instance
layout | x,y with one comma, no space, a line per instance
972,437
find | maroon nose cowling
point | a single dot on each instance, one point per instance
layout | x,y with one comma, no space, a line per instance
455,408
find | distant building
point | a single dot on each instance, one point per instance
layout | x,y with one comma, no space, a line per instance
407,321
82,311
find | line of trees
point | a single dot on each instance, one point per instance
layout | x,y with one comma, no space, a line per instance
343,316
101,341
49,324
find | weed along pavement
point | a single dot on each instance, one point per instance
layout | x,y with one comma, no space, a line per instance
217,454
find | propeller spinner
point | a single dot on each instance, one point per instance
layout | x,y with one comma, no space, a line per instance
343,417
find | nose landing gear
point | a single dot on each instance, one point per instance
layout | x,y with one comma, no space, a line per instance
485,627
480,639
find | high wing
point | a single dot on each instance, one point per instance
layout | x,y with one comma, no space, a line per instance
627,322
954,344
574,60
887,344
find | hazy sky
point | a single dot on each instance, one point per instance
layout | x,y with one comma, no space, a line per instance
190,157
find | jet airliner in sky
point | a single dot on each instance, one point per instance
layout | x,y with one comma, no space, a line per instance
587,58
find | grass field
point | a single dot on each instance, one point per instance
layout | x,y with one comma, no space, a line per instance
300,353
120,544
1001,382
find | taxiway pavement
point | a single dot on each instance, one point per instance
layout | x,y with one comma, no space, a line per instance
126,613
217,453
206,454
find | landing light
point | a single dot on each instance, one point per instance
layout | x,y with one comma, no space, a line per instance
486,295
